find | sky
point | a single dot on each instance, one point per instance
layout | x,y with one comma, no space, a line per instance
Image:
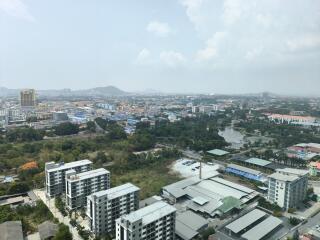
194,46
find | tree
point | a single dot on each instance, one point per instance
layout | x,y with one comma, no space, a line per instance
294,221
91,126
63,233
18,188
66,128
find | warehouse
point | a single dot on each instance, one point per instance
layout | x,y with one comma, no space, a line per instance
245,172
254,225
211,196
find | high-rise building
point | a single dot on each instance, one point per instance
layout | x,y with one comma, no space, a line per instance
105,207
55,175
288,187
156,221
28,98
81,185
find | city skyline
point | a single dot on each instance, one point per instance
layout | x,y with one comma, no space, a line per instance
181,46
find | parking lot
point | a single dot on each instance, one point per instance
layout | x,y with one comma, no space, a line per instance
189,168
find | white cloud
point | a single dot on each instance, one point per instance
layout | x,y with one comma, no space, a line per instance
144,57
307,42
16,8
253,54
160,29
172,58
232,11
212,47
193,10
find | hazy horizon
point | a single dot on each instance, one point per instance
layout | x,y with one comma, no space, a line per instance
171,46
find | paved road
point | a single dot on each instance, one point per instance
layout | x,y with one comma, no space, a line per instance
56,213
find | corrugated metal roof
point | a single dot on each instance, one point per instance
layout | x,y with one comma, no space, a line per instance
244,169
245,221
258,162
262,229
218,152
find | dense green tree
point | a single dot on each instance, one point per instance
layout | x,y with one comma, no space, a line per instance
63,233
66,128
19,187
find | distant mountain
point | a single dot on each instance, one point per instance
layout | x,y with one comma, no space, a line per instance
98,91
6,92
101,91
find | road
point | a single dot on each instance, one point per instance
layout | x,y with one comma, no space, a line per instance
56,213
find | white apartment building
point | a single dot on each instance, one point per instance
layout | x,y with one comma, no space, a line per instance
105,207
154,222
81,185
55,175
288,187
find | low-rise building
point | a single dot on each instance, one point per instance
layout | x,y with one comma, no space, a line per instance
105,207
81,185
288,187
55,175
156,221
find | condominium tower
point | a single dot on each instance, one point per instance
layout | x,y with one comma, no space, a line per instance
28,98
81,185
55,175
288,187
105,207
154,222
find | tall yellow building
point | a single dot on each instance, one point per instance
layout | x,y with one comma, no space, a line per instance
28,98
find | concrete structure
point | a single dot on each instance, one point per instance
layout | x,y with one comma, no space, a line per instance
314,168
28,98
81,185
105,207
156,221
55,175
11,230
288,187
60,116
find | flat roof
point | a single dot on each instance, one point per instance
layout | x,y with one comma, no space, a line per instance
245,221
262,229
150,213
117,191
283,177
63,166
258,162
294,171
88,174
218,152
244,169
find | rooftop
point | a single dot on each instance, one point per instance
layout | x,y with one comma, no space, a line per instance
47,229
283,177
258,162
218,152
246,220
293,171
11,230
262,229
244,169
188,224
63,166
150,213
117,191
88,174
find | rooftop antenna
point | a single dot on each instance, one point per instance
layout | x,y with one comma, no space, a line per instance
200,169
